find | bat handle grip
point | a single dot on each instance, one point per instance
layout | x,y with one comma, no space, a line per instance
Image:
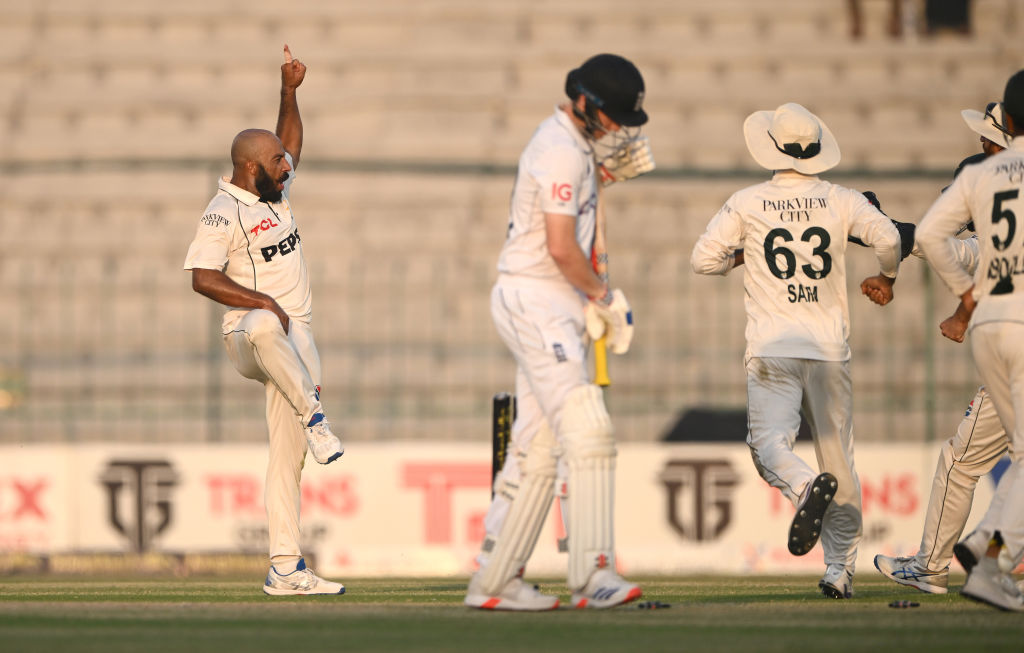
601,363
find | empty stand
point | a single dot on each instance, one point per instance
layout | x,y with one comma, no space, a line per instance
118,119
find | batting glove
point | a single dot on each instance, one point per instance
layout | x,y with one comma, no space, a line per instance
633,160
614,320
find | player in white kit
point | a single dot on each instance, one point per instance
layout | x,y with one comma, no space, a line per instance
793,231
979,441
247,255
994,300
546,284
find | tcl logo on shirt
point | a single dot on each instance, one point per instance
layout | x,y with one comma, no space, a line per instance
561,192
266,224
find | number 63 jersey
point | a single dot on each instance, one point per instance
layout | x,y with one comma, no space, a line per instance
992,194
793,230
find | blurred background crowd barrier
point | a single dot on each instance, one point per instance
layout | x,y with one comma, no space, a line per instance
116,118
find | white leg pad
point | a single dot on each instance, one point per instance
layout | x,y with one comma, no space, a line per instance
518,535
587,436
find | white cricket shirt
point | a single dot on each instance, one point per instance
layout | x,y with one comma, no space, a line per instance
992,192
256,245
557,174
793,232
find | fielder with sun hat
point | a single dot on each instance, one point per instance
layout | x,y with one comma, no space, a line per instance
980,439
793,230
993,300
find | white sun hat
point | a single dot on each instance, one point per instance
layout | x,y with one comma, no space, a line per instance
791,137
988,124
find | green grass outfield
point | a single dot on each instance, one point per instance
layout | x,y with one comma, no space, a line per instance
728,613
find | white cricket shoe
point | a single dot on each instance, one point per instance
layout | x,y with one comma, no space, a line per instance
324,445
837,583
517,595
905,571
605,589
988,584
970,550
806,525
300,582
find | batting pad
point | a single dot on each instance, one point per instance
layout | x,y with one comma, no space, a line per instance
590,451
518,536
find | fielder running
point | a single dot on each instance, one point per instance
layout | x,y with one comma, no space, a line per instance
546,292
979,441
793,232
990,192
247,255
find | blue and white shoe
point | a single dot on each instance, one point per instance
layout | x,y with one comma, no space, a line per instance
302,581
323,444
905,571
605,589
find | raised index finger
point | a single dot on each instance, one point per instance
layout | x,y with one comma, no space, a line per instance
287,54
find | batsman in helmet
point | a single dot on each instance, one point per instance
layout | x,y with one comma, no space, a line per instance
551,297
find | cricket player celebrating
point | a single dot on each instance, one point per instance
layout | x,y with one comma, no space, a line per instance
979,441
248,256
793,231
547,290
989,192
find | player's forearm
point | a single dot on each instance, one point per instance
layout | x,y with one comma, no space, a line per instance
940,252
884,239
577,270
217,286
289,123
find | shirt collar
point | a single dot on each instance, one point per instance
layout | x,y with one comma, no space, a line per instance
781,175
563,118
240,194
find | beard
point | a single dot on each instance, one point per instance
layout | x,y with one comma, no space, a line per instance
267,187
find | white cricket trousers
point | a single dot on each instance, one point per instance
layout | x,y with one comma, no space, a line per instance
777,390
288,366
542,325
998,349
979,443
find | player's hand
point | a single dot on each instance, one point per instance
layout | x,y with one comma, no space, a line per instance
633,160
613,319
955,326
293,71
878,289
276,309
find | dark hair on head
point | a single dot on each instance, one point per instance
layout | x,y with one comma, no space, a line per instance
1013,99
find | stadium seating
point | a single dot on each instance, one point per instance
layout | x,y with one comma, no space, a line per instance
119,115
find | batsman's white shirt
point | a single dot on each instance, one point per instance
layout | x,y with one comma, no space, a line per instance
257,245
557,174
793,232
537,312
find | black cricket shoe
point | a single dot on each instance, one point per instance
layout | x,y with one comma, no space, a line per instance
806,526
